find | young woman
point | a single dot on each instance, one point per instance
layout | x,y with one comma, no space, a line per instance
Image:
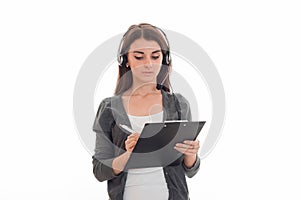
143,94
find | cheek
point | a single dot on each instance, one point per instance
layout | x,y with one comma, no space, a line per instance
130,61
135,63
158,63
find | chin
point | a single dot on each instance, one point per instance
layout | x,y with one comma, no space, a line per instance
148,80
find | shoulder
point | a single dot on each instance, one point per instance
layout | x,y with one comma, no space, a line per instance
181,99
110,99
183,106
106,104
104,118
177,97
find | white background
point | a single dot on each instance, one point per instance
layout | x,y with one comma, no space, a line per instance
254,45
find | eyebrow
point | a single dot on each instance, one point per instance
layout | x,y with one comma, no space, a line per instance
156,51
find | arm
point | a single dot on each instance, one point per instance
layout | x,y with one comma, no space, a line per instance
104,147
192,171
103,158
119,163
191,161
106,165
106,169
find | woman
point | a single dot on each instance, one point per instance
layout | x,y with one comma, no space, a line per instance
143,94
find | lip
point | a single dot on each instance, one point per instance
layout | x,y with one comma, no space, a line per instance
148,73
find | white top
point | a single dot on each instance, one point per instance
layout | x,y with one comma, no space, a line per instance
145,183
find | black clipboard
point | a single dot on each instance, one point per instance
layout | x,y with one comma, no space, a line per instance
155,147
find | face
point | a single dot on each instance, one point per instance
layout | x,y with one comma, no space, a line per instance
144,59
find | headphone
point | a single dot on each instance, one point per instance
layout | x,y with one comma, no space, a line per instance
166,53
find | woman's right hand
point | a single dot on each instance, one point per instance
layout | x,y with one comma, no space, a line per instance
131,141
119,162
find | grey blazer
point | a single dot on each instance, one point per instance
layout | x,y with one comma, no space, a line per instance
110,143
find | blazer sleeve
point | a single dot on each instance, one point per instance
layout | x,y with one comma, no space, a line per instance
185,113
104,147
183,106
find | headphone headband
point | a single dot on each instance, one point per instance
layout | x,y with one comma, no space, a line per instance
120,56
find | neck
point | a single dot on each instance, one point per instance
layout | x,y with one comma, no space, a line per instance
143,89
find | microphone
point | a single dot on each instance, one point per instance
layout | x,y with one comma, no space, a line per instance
161,87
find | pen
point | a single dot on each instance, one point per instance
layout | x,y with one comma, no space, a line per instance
126,128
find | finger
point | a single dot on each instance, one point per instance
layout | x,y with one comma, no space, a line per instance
191,142
181,150
189,149
130,146
131,136
131,139
186,151
195,144
134,135
131,143
186,146
189,154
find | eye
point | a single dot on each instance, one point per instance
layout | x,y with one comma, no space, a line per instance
138,57
155,57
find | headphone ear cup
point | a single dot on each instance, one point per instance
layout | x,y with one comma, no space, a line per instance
168,58
120,60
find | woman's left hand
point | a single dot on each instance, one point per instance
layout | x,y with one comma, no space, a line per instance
188,147
190,150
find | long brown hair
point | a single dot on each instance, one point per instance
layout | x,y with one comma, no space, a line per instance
147,32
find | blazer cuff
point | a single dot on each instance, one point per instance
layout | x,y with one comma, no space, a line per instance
190,172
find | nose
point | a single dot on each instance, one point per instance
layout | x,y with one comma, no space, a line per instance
148,62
